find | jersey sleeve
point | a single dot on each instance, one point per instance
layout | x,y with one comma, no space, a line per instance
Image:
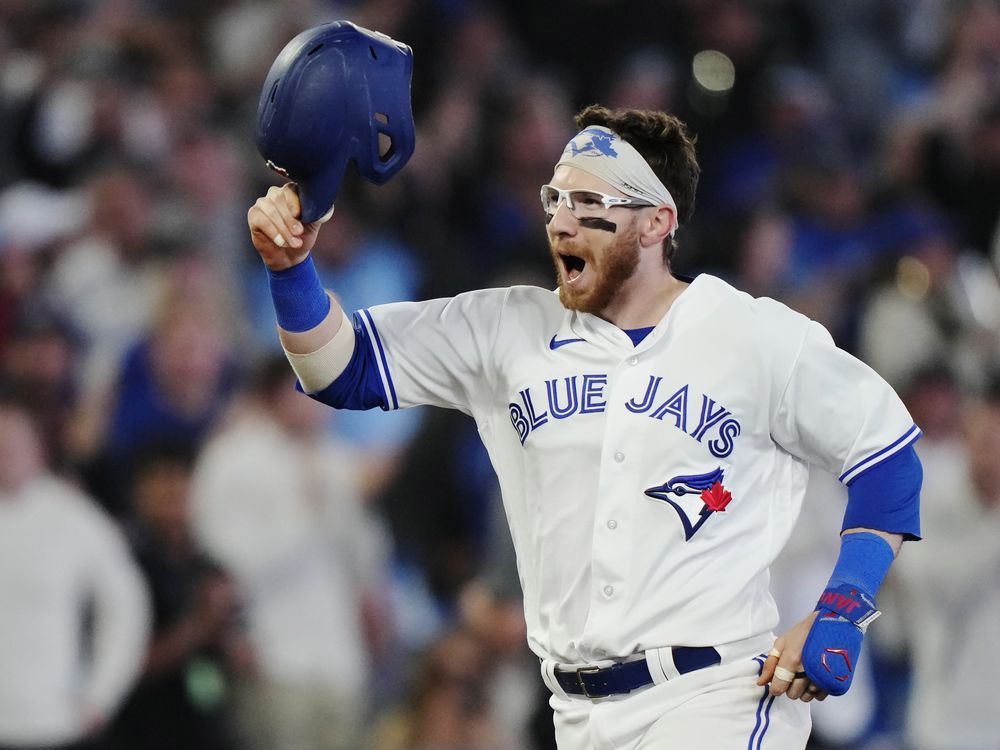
838,413
438,352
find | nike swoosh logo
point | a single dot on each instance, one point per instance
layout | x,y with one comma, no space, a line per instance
556,343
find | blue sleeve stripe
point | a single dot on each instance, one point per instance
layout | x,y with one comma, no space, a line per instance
383,364
908,437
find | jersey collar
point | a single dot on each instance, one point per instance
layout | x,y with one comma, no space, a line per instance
600,332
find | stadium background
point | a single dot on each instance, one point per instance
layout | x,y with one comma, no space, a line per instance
851,168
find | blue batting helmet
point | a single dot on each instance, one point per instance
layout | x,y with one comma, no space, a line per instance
336,93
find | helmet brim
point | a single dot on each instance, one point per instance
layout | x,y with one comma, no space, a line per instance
317,194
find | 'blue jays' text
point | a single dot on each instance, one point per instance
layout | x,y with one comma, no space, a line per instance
696,414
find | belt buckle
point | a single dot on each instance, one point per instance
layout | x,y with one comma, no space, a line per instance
583,685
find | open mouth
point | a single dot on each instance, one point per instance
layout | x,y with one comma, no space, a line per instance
572,266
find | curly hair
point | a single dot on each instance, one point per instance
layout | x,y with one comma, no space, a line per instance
665,143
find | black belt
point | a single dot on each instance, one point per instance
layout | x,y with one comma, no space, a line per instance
622,678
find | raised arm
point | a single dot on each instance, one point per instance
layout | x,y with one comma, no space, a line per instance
314,330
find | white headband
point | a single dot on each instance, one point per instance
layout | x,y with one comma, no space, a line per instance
603,153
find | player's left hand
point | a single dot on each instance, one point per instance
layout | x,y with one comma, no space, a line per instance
783,667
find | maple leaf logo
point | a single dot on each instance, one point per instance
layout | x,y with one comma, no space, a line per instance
717,497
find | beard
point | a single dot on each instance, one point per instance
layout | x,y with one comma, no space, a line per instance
616,266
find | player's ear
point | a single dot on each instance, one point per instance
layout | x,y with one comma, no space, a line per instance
658,225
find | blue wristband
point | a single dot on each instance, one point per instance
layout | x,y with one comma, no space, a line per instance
864,560
300,302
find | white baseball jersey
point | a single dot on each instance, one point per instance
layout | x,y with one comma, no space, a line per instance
647,487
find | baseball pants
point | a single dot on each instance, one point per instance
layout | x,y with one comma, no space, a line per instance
717,708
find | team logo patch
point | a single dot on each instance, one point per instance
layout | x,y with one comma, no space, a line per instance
280,170
599,143
713,494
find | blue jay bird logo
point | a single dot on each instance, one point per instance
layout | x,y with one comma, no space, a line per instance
599,143
707,486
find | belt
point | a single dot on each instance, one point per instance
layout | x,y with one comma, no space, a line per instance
624,677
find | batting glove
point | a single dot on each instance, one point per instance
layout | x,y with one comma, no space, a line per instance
833,645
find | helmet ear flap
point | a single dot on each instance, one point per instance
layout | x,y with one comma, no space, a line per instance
390,114
336,93
391,150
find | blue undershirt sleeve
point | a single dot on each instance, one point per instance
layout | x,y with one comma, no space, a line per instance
886,497
359,386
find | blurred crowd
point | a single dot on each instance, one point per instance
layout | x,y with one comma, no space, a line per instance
193,555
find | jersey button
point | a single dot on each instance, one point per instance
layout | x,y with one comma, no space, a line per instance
633,361
619,457
612,524
609,590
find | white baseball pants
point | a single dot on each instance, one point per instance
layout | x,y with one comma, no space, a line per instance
716,708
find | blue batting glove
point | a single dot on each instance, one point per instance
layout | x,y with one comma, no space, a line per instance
831,650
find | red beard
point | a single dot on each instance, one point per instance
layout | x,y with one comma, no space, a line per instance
615,266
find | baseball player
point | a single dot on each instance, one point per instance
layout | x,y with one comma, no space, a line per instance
651,434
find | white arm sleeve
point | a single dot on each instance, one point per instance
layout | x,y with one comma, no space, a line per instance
318,369
838,413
